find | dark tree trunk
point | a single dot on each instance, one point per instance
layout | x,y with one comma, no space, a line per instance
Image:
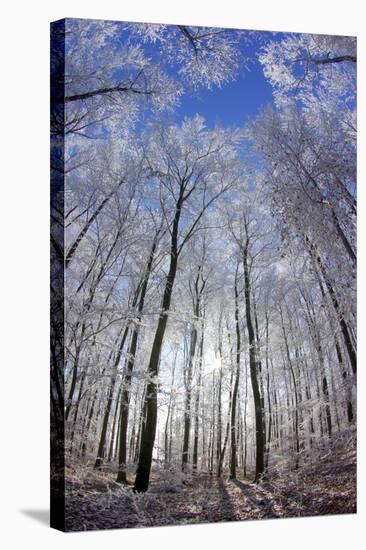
74,377
88,423
150,406
197,404
311,419
211,443
260,373
76,411
187,406
127,377
236,383
327,406
133,434
245,422
113,432
168,423
140,424
269,436
103,435
276,422
295,394
219,450
197,296
259,434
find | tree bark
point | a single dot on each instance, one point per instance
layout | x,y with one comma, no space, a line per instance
103,435
113,431
236,383
197,296
150,405
127,377
259,435
295,394
197,404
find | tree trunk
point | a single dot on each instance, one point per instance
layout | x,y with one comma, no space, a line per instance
103,435
269,436
197,403
187,406
167,435
259,435
295,394
113,432
245,422
88,423
236,383
150,405
127,377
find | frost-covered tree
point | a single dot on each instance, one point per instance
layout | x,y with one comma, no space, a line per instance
204,56
194,168
303,65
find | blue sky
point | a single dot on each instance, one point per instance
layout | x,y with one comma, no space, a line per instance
235,102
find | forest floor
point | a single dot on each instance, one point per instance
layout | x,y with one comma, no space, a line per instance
95,501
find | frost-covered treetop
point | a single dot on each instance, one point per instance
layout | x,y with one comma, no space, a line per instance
299,64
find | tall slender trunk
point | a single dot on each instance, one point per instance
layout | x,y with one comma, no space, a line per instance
127,376
88,423
276,422
76,411
113,431
103,435
236,383
197,296
222,451
167,438
219,451
140,424
311,420
328,416
245,423
75,372
295,394
211,443
188,399
170,447
150,405
133,434
197,403
259,434
269,436
260,373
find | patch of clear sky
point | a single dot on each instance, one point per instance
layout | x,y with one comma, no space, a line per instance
235,102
